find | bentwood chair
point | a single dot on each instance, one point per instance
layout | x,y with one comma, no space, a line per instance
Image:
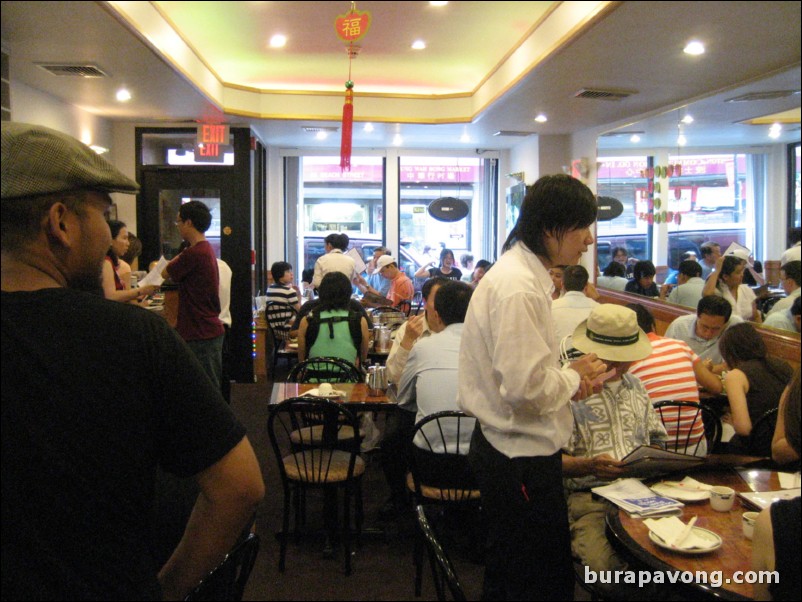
689,425
443,573
324,370
440,474
228,580
279,317
332,464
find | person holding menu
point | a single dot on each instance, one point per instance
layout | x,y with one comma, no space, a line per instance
511,381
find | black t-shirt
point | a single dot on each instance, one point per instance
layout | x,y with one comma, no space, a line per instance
454,274
95,395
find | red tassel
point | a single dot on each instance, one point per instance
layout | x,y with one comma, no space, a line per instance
348,124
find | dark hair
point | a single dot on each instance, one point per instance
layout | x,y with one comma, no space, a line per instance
484,264
134,248
430,283
615,269
714,305
308,275
465,258
554,204
334,291
645,318
451,301
278,269
793,270
707,248
575,278
198,213
791,412
615,251
741,343
690,268
445,253
687,255
643,269
794,235
114,226
338,240
728,266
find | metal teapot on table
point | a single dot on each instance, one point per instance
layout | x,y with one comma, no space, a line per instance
376,380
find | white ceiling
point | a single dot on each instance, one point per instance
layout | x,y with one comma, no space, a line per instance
635,46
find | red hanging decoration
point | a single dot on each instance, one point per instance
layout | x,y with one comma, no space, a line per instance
348,125
350,27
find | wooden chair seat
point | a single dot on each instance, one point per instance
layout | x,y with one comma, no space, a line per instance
321,466
313,435
446,495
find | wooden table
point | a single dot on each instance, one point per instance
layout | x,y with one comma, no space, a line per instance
631,536
357,397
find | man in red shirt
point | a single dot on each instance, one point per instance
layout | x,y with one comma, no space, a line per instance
195,272
401,287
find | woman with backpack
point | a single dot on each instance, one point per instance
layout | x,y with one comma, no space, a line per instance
332,329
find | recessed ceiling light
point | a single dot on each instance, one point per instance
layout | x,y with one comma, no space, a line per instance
368,128
418,45
278,41
322,135
682,140
98,149
635,139
541,118
398,140
694,48
775,130
465,138
687,119
123,95
438,3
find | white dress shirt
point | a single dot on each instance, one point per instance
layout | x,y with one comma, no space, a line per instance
688,294
785,304
614,283
333,261
684,329
743,305
570,311
510,375
398,356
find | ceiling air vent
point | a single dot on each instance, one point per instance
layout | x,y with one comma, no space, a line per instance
73,70
513,133
768,95
600,94
315,129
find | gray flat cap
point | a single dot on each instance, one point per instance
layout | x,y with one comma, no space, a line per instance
37,160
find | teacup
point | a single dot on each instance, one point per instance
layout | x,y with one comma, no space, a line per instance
748,523
722,498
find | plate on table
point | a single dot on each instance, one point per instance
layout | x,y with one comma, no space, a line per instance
708,536
680,494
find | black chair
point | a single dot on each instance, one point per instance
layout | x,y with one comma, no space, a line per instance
405,307
331,464
443,573
324,370
228,580
417,302
439,470
683,420
279,318
762,434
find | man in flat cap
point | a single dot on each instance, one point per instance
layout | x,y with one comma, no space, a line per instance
82,433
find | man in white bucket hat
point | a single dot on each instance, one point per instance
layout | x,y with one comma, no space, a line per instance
607,426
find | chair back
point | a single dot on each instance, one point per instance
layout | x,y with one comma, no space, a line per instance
689,425
279,317
228,580
443,572
324,370
439,457
762,434
388,316
405,307
306,457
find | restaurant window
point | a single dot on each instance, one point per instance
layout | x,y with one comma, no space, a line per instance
794,193
425,180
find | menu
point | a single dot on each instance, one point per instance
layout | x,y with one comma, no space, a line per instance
645,462
764,499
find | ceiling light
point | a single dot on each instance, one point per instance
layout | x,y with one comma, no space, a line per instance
123,95
775,130
321,135
465,138
687,119
278,41
694,48
418,45
635,138
98,149
541,118
398,140
368,128
682,140
438,3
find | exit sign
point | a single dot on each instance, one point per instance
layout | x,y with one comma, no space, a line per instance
209,133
